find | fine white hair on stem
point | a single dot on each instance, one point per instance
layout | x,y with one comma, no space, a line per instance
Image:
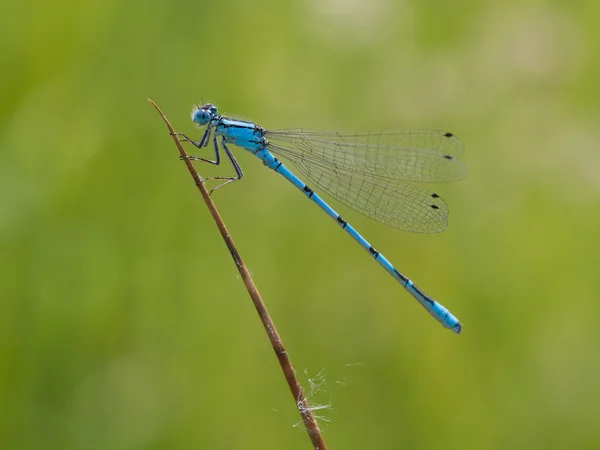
318,387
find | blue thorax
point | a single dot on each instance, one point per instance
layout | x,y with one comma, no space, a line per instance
247,135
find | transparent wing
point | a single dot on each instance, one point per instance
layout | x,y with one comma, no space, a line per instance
369,171
413,155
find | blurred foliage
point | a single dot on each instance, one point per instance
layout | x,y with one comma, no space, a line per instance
123,324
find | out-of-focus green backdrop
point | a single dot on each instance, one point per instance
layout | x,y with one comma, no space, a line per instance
123,321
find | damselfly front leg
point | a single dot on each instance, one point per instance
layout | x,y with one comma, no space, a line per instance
239,173
202,143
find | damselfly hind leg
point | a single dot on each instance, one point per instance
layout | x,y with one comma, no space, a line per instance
236,166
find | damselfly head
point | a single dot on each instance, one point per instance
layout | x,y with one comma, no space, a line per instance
201,115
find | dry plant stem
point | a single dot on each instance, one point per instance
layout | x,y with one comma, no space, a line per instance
286,365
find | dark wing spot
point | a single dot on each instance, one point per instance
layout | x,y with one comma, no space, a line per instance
435,206
448,156
434,195
448,135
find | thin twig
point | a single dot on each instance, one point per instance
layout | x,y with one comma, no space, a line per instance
284,361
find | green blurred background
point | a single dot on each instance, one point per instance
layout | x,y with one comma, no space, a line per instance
123,321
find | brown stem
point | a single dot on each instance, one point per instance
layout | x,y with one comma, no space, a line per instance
310,423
